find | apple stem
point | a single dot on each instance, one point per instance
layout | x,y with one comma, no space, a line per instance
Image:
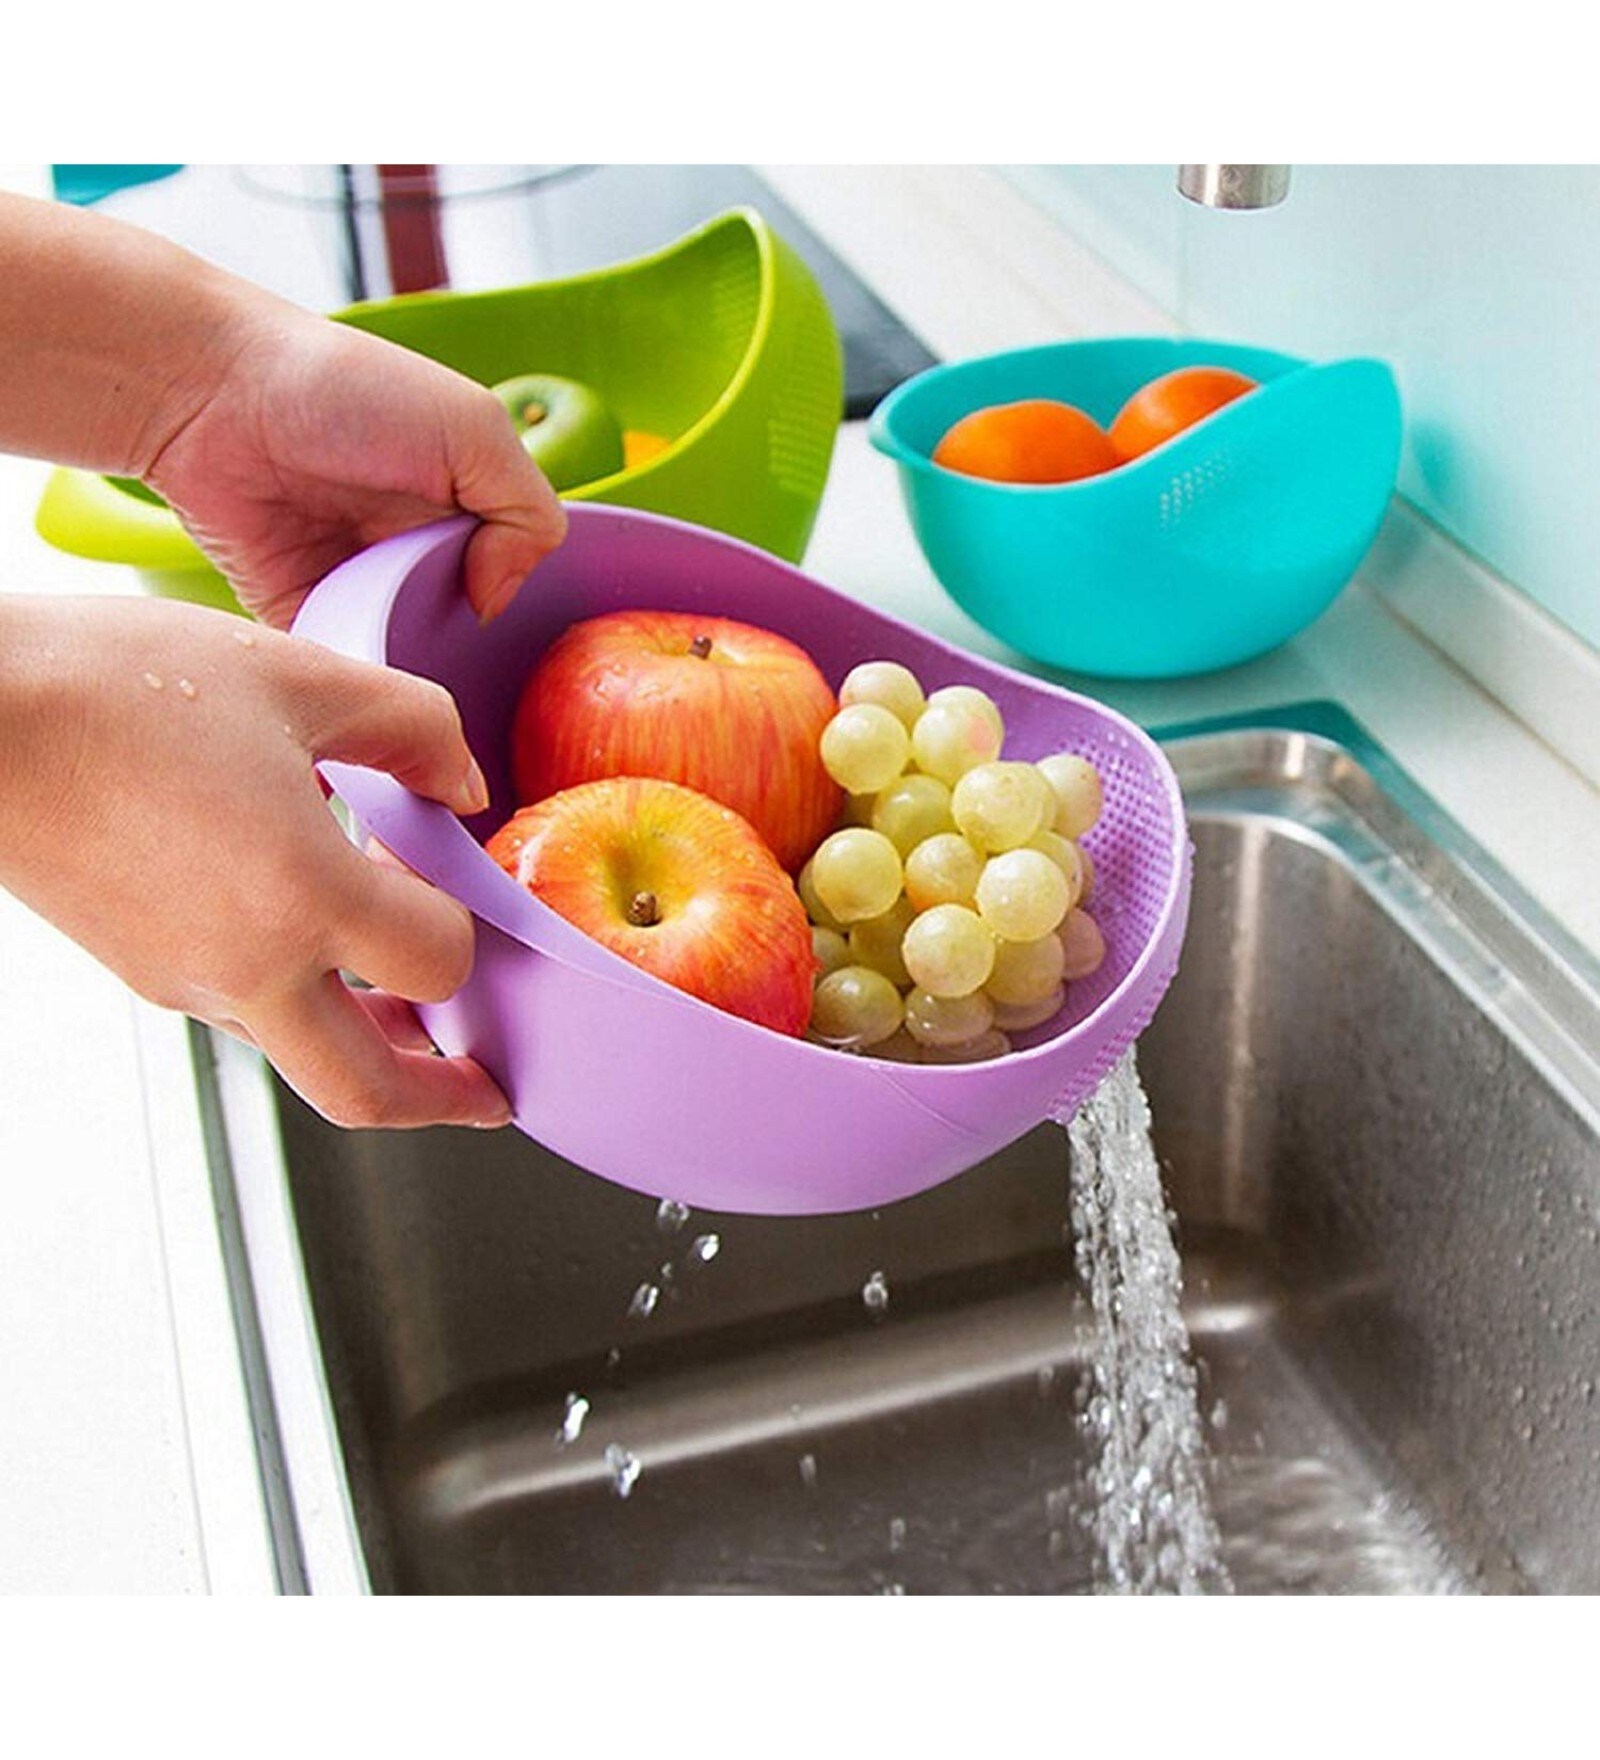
700,647
643,910
533,414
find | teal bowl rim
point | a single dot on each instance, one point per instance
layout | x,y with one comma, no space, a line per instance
883,434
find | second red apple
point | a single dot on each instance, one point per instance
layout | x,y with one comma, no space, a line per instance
674,883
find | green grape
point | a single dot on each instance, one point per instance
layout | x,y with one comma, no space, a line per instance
947,1020
854,1007
1022,894
948,951
998,806
875,941
1024,971
911,810
951,737
898,1048
1076,784
1082,944
988,1045
1018,1017
864,748
816,910
942,869
1065,854
888,684
829,949
969,698
856,873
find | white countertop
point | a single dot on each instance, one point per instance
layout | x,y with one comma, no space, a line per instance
125,1462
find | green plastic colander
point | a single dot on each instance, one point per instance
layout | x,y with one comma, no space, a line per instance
721,343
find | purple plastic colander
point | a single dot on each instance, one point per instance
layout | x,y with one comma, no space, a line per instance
636,1081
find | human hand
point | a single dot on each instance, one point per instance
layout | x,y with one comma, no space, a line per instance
286,442
159,803
310,440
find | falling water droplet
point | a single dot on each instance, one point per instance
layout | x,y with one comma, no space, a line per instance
875,1295
671,1215
154,681
705,1247
572,1419
808,1471
897,1533
624,1468
644,1302
186,688
245,638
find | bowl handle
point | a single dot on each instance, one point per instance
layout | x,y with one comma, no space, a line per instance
349,611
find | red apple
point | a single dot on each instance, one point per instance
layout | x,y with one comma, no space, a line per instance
732,711
675,883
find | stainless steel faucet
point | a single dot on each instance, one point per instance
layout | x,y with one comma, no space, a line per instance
1234,186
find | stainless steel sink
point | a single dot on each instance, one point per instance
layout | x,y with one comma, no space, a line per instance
1376,1086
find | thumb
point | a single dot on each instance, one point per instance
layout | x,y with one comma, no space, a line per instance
523,521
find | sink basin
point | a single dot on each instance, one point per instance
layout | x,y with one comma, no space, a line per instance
1376,1092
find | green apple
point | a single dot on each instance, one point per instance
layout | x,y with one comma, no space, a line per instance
566,427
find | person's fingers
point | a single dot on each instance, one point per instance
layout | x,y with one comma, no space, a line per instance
523,521
384,856
395,930
396,1019
385,719
334,1048
226,1023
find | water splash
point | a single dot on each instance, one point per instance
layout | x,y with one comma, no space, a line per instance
624,1467
577,1409
1151,1513
671,1216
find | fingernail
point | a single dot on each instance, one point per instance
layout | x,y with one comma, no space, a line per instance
499,597
474,791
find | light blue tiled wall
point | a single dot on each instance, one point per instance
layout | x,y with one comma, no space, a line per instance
1479,286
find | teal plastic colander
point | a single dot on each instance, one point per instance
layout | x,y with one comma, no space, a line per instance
1211,549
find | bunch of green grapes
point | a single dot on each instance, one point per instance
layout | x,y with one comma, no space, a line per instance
947,909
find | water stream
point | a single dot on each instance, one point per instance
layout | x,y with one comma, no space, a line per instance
1150,1510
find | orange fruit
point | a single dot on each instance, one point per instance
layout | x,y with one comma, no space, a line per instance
639,446
1035,441
1168,405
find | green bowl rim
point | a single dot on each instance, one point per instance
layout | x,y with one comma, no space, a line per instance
89,514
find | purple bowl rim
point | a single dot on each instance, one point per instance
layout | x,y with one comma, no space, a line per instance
414,545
